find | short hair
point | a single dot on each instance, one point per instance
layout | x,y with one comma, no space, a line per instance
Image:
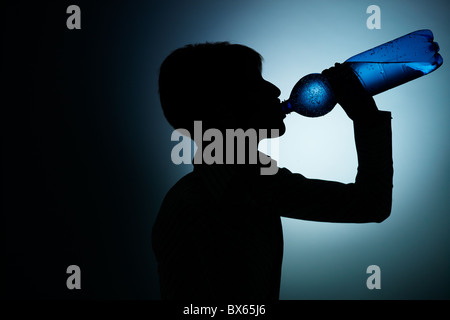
196,78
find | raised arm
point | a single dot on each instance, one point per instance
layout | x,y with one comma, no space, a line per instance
369,198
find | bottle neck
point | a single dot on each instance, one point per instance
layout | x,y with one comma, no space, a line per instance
286,107
312,96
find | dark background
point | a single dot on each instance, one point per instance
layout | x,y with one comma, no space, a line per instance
71,187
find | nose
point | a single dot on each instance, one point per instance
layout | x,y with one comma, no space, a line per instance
272,89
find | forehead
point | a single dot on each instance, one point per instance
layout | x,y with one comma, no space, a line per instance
245,58
246,68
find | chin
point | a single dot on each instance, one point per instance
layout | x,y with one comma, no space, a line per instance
279,126
281,130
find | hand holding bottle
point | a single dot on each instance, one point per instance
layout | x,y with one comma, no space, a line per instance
350,93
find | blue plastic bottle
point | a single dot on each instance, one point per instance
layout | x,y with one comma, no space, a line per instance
379,69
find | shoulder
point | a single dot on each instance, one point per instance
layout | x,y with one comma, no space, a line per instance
182,203
184,190
284,175
185,196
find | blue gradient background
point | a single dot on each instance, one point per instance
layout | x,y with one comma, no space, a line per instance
109,169
322,260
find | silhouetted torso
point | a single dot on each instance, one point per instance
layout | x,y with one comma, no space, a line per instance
228,241
218,234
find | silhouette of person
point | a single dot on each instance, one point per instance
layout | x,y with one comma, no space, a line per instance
218,234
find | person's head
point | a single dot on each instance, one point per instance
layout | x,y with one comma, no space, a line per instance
221,85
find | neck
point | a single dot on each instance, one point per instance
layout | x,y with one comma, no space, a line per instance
228,153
